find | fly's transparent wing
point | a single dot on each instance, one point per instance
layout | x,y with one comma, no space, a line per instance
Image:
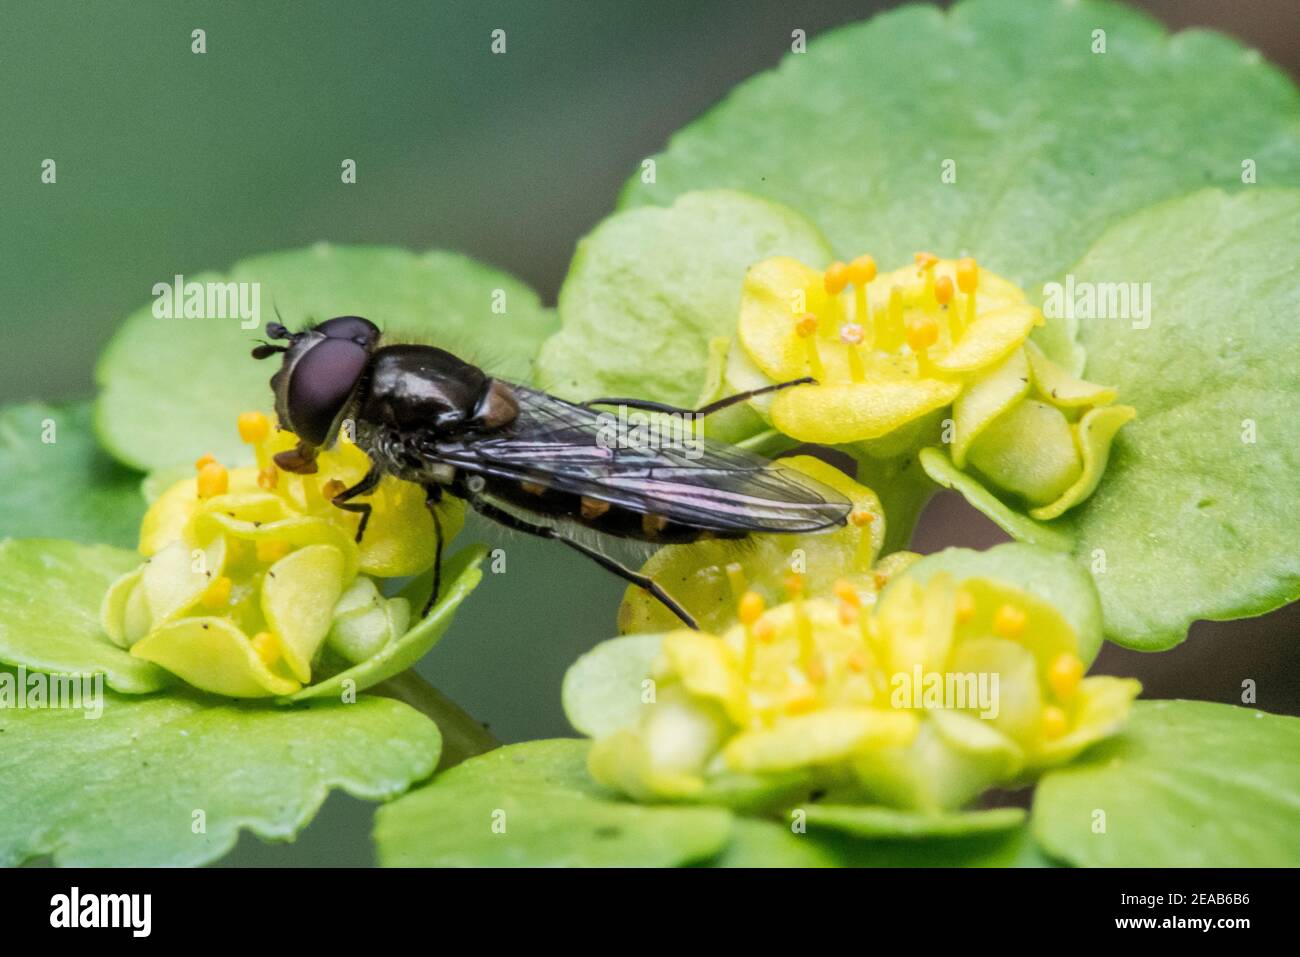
695,482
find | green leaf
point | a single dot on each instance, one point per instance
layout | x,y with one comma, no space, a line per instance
534,805
126,790
884,822
1052,142
757,843
1199,511
1197,514
1188,784
1051,576
50,593
55,482
602,689
171,388
649,288
460,576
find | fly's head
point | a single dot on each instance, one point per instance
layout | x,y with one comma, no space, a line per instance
319,373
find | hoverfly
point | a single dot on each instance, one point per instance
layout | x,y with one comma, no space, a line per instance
523,458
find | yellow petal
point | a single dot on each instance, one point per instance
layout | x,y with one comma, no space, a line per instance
707,669
985,399
113,609
1100,707
167,517
298,598
1017,699
820,737
214,655
768,307
843,412
1095,432
175,578
995,334
400,538
952,758
298,530
621,761
1060,388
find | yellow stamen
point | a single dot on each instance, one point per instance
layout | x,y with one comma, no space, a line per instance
851,335
1064,675
750,608
1009,621
846,593
816,672
943,290
213,480
806,327
848,614
254,427
968,280
268,478
271,550
836,278
794,585
880,579
862,520
333,488
925,263
206,459
861,271
965,606
217,593
764,630
1055,722
266,646
857,661
922,333
891,336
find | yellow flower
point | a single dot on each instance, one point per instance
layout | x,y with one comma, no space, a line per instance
890,352
886,350
1031,429
708,577
933,695
251,573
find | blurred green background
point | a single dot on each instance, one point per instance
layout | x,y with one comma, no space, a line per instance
171,162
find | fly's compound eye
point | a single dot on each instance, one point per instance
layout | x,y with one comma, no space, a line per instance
320,384
353,328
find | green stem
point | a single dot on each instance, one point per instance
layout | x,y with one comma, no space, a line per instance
462,736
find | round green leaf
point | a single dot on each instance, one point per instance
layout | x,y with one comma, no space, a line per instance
1199,511
460,576
50,593
171,388
1054,577
168,781
534,805
55,482
1051,142
649,288
602,690
1188,784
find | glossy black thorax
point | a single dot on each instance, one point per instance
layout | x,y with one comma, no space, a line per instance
421,388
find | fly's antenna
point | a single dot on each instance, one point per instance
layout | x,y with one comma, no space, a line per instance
266,350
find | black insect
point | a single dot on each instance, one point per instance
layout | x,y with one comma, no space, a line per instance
524,458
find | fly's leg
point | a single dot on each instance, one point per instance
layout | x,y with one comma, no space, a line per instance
364,487
715,406
432,496
502,517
